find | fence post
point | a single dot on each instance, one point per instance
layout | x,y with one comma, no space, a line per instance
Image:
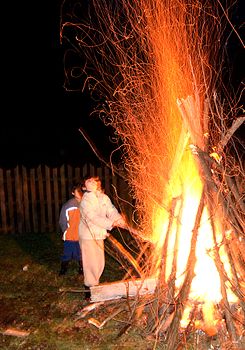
85,170
2,203
91,170
63,184
19,199
34,200
56,198
26,199
49,198
11,200
69,176
41,198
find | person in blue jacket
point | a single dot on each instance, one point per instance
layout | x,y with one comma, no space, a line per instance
69,223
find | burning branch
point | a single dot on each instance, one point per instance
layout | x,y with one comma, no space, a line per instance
147,55
184,292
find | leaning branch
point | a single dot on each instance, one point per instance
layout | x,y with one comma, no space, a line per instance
236,124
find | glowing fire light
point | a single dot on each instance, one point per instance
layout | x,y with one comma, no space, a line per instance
205,287
154,66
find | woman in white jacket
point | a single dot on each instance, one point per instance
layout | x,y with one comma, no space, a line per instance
98,215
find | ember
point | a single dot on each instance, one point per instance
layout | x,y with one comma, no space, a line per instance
158,65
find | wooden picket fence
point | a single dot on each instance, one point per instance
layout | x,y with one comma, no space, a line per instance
31,198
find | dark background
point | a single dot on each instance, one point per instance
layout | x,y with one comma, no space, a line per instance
39,119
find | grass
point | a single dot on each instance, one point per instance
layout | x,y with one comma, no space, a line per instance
31,301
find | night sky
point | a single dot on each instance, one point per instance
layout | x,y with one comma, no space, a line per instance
39,119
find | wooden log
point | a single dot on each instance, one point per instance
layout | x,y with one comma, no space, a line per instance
123,253
100,325
186,286
16,332
122,289
87,309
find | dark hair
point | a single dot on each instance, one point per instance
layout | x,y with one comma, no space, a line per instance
96,178
76,186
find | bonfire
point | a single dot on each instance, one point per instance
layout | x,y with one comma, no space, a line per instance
156,65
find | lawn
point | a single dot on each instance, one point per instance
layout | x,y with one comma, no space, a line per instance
31,300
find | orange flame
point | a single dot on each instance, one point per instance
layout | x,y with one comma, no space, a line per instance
154,63
205,287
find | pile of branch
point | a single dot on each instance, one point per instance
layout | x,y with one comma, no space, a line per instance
157,301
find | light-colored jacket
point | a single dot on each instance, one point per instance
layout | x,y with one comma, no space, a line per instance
97,215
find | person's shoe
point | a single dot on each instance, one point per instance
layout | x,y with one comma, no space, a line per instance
63,268
87,293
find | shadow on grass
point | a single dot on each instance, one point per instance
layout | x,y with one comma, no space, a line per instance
43,248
